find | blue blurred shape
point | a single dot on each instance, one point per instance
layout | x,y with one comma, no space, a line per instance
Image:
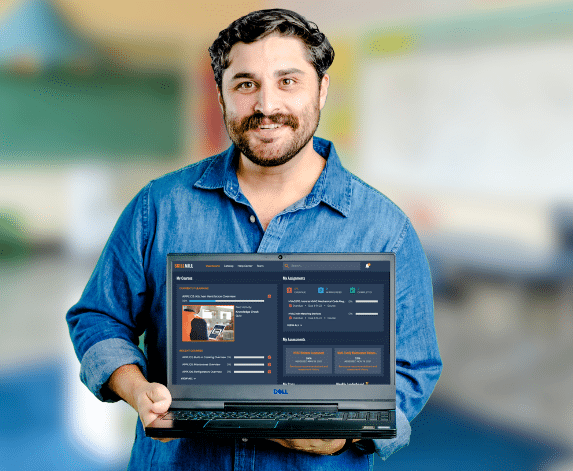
446,438
36,31
562,219
33,434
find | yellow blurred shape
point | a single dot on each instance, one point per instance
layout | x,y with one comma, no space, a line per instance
166,18
343,69
339,119
391,43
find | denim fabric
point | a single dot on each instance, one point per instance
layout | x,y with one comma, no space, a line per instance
200,209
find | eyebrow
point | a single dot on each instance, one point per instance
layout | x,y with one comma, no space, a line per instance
293,70
241,75
278,73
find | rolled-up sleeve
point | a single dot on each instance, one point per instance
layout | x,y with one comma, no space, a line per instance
418,362
106,323
384,448
102,359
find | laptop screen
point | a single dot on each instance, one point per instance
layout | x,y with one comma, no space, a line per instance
281,320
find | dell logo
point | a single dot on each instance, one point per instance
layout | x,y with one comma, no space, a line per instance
280,391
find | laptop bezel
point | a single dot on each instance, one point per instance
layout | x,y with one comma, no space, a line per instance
215,396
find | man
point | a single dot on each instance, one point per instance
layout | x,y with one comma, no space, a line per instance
188,315
276,189
194,326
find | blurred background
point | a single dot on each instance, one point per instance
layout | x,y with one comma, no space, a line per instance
460,111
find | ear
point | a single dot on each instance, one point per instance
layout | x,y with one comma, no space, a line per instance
324,89
220,97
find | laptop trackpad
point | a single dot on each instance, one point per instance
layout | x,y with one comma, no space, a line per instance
241,423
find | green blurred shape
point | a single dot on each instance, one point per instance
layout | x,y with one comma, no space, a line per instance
14,243
106,112
515,24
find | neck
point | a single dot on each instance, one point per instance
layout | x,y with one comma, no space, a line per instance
272,189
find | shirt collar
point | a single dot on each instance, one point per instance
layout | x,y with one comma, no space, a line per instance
333,187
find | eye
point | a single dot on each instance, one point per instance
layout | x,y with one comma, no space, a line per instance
288,81
245,86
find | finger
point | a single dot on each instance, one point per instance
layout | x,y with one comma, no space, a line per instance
316,446
164,440
159,407
324,446
328,446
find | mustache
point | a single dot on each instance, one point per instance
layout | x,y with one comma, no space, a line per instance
256,119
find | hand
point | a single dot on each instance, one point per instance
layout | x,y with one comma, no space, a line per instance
317,446
148,399
152,400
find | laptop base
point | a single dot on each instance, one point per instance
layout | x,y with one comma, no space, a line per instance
167,427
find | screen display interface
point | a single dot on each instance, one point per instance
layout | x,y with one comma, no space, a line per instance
280,323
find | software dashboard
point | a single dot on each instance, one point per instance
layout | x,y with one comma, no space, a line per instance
280,322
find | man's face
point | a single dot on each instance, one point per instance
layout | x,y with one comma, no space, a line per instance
271,99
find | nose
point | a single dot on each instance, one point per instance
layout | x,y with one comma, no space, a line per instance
268,100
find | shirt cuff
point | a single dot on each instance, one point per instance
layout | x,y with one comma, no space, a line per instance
102,359
384,448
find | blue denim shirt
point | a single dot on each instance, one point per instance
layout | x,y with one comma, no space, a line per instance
200,208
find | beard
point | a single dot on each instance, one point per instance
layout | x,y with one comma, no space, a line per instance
266,152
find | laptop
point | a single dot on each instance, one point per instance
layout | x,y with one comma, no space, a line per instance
280,346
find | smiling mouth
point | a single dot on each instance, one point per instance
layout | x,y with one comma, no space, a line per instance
258,122
270,126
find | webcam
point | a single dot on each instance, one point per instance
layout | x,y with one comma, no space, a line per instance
280,257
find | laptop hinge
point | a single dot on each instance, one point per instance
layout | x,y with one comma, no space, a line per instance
261,406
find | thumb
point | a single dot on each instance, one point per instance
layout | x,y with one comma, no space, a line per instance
160,406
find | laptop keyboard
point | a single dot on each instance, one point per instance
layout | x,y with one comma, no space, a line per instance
277,415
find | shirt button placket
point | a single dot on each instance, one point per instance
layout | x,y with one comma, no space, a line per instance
272,238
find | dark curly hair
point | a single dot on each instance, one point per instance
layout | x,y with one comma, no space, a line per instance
259,24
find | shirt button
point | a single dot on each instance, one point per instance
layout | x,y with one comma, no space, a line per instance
252,218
